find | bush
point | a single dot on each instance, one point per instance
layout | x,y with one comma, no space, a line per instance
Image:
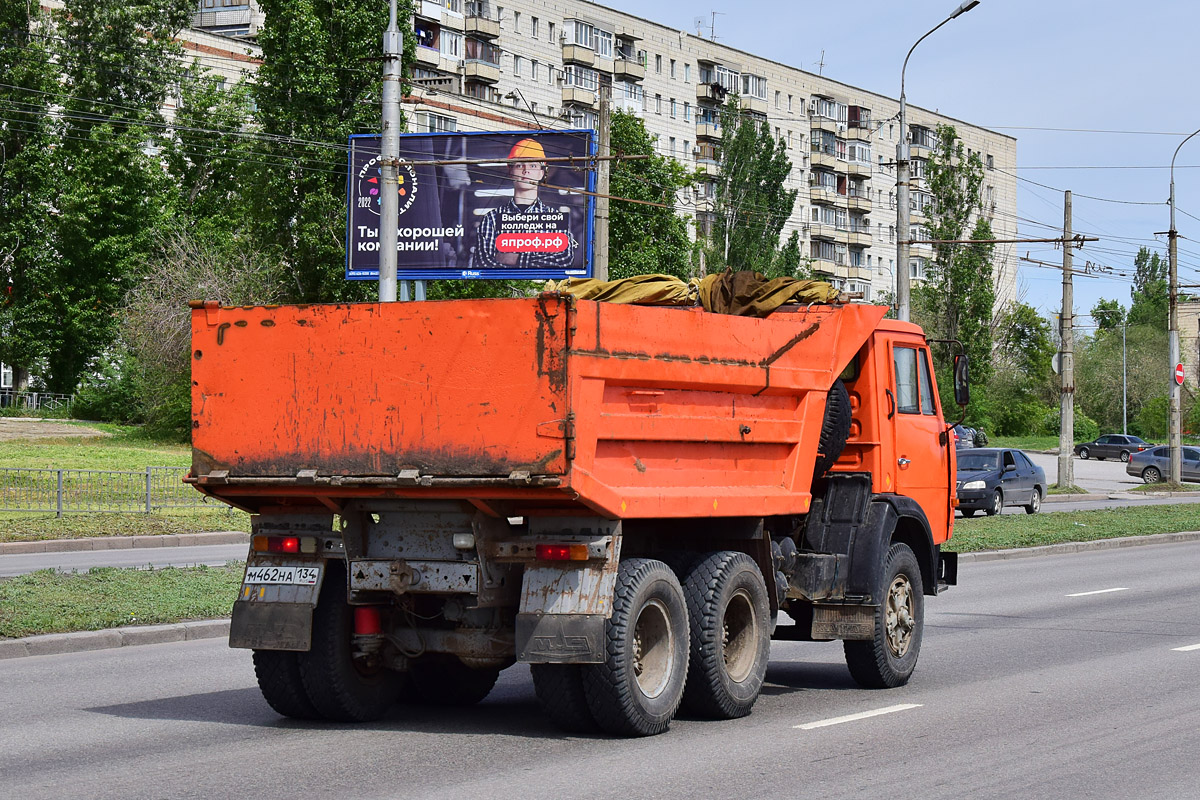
109,395
1150,422
1086,428
1023,418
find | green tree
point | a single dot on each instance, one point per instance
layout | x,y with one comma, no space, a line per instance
644,238
1108,314
27,77
318,84
1101,383
752,203
956,299
1022,389
1150,290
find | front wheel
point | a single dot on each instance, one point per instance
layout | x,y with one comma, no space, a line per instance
1035,501
888,659
729,614
1152,475
1083,453
997,503
1124,455
637,689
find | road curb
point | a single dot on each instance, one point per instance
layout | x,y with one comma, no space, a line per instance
123,542
1079,547
58,643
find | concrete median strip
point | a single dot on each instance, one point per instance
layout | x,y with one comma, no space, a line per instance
58,643
123,542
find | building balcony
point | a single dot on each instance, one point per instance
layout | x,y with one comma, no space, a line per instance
710,93
919,150
482,27
578,96
820,158
578,54
627,70
824,266
483,71
821,230
860,238
755,104
708,131
428,57
819,123
858,168
858,133
822,194
708,167
858,202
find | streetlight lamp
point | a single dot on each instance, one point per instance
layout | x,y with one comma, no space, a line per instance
902,178
1173,438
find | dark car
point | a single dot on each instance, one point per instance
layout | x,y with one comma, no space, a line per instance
1112,445
990,478
1154,465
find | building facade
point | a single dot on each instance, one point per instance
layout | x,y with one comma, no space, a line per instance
488,65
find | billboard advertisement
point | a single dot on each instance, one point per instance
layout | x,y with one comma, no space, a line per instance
477,205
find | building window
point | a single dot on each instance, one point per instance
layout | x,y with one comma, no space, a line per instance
687,113
517,21
428,122
672,108
580,33
991,161
517,66
687,73
754,86
604,44
687,149
533,69
778,96
789,104
452,44
658,64
658,104
533,27
672,68
581,77
672,145
550,30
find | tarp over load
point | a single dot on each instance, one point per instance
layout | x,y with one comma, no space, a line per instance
744,293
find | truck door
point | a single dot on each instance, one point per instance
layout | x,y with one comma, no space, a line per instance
922,466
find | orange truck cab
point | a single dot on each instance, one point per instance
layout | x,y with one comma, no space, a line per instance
624,497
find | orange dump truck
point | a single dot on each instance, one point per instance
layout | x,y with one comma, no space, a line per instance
624,497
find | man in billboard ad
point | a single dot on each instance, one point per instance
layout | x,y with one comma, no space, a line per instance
477,205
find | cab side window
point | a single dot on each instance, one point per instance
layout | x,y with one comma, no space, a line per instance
927,406
905,360
1008,460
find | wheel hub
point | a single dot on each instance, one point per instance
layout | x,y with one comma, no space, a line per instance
900,620
653,649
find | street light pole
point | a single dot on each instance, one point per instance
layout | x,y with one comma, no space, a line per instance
1173,423
389,160
903,218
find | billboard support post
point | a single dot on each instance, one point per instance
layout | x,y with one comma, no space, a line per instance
389,159
603,167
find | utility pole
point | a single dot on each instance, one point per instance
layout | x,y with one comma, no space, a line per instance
389,159
600,256
1066,434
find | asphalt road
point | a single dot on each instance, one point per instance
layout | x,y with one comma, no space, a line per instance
157,557
1054,677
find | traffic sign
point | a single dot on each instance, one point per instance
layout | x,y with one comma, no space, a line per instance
1179,374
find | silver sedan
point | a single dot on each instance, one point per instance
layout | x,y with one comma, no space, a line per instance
1154,465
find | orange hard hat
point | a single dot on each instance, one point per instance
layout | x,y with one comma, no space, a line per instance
527,148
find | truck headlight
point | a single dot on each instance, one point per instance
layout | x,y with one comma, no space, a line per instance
974,485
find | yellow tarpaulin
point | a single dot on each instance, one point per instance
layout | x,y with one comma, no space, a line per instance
744,293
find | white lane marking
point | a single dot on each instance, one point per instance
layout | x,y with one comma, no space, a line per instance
1100,591
1187,649
852,717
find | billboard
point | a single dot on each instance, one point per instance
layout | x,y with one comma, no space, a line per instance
468,211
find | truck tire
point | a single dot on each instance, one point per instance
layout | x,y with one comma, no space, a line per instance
637,689
443,680
835,428
278,674
888,659
559,689
343,688
729,621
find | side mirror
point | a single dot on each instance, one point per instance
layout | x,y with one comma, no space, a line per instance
962,381
1010,467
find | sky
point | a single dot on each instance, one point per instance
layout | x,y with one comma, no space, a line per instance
1022,68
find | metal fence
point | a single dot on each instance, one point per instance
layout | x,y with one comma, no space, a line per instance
44,401
80,491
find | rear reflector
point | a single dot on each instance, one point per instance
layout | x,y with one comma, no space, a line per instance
367,621
562,552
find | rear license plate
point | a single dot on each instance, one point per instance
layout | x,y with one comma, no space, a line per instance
295,576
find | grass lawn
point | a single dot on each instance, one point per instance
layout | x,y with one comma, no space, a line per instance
125,449
1031,530
1035,443
106,597
18,527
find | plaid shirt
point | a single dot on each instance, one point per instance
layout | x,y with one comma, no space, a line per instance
485,243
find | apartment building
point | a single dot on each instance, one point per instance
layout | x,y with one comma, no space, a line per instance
502,64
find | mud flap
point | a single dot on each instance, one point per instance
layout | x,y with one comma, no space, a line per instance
275,616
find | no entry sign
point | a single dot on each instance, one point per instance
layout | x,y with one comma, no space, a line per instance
1179,374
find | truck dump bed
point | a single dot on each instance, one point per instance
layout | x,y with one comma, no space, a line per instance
548,403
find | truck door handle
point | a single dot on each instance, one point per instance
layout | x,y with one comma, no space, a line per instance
903,462
891,403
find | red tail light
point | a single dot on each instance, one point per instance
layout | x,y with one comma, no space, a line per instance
283,544
562,552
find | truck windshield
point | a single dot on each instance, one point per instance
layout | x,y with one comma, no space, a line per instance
976,462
